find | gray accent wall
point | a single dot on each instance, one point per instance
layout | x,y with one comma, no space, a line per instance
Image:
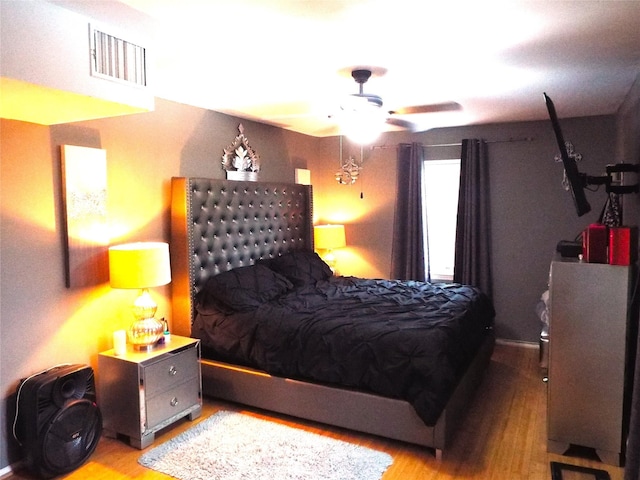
530,210
43,324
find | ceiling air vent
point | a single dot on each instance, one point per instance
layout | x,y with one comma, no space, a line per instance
116,59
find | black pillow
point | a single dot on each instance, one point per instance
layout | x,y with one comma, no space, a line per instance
301,267
243,288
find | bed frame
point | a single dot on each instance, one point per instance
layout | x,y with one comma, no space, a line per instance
217,225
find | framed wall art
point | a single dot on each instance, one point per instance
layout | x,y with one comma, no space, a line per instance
84,199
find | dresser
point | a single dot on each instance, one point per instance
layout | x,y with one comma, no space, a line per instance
590,348
140,393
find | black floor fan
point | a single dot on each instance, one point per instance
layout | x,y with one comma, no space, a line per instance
58,423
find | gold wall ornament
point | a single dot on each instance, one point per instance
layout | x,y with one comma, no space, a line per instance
239,160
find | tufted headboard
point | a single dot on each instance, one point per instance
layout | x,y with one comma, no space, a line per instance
217,225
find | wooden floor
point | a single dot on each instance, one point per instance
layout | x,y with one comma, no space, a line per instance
502,438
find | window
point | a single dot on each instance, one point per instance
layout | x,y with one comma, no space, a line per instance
440,184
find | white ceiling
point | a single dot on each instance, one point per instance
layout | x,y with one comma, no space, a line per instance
288,62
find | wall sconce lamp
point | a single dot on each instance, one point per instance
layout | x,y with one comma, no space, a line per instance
141,266
329,237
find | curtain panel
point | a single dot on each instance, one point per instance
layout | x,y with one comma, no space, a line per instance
472,264
407,251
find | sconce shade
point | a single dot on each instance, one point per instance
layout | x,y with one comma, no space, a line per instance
139,265
327,237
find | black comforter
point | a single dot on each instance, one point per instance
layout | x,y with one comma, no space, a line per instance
405,340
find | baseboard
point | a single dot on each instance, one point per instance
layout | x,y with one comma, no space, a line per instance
6,471
516,343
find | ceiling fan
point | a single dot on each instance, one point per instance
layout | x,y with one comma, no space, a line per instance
367,108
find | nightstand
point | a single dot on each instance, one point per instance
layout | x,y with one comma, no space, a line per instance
140,393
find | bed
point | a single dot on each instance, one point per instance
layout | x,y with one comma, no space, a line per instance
280,333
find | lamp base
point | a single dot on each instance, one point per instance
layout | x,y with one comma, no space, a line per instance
330,259
144,348
143,334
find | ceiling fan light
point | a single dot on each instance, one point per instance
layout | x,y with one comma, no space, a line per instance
361,117
361,135
362,126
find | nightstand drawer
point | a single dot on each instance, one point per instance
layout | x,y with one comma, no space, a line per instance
172,402
171,370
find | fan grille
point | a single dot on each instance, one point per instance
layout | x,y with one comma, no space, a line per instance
71,437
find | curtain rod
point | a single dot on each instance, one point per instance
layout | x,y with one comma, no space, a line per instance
459,144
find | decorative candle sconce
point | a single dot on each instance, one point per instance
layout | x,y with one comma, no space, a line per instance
349,168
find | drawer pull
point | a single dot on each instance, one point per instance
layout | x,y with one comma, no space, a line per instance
174,401
173,370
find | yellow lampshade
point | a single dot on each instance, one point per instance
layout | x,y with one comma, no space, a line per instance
328,237
139,265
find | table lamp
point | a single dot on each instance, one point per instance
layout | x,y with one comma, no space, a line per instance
328,237
141,266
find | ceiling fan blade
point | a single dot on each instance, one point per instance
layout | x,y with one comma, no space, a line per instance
404,124
433,108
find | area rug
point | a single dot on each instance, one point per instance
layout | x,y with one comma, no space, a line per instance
234,446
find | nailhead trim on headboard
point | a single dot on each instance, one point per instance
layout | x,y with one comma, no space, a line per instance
229,224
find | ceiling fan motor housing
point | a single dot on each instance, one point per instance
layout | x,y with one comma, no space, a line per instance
361,75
